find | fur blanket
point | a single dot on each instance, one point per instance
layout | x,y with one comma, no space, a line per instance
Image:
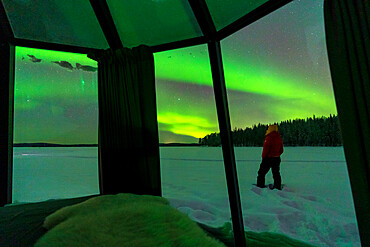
123,220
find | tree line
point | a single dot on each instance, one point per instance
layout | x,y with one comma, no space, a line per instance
313,131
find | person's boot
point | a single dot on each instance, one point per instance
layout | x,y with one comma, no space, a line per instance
277,181
276,187
261,182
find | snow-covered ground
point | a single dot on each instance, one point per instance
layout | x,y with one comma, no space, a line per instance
41,173
315,205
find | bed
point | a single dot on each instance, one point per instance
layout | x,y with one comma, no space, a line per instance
23,224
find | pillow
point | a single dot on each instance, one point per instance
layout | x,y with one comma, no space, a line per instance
123,220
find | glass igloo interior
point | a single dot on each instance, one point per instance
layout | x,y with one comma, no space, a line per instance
224,71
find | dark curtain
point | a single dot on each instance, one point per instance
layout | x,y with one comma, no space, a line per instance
128,129
347,24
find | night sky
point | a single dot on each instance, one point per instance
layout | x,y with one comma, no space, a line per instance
275,69
52,103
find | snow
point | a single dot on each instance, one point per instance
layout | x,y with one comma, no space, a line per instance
315,206
55,172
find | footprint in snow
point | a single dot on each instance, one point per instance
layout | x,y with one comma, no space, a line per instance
294,204
257,190
310,198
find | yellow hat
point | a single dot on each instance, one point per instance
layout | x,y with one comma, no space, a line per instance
271,128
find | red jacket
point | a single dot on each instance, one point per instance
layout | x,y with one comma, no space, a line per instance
273,146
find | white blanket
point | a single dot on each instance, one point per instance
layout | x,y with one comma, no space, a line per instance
123,220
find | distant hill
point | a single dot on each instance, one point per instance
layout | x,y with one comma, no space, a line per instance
41,144
179,144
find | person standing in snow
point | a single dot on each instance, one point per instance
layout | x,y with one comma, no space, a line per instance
272,149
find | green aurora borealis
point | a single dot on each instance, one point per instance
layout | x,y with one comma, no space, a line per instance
275,69
54,104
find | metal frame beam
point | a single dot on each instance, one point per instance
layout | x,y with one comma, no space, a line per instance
6,124
214,49
204,18
5,28
179,44
106,22
52,46
6,108
251,17
208,28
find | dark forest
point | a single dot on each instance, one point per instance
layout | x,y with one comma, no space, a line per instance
313,131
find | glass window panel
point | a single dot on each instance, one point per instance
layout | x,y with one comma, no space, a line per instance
157,22
56,102
193,177
62,22
225,12
276,69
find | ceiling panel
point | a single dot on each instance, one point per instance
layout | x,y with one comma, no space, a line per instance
153,22
225,12
63,22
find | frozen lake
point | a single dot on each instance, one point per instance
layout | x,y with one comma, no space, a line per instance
315,205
